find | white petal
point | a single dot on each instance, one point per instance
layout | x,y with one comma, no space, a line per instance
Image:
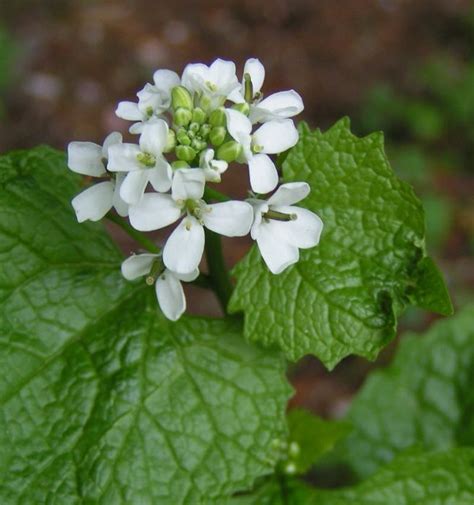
194,76
154,136
183,250
137,265
110,140
223,75
137,128
123,158
283,104
276,136
94,202
304,231
277,255
133,186
238,124
129,111
290,193
236,95
232,219
188,277
160,176
170,295
85,158
263,174
149,98
166,80
154,211
188,183
254,67
119,204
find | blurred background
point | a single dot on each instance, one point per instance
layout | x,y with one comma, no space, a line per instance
402,66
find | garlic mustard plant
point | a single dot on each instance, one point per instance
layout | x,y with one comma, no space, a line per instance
190,130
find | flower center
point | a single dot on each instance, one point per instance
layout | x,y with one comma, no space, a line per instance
147,159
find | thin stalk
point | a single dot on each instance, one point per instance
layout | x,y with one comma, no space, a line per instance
213,194
135,234
218,272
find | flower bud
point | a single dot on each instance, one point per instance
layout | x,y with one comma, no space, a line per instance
199,116
205,130
217,117
217,135
181,98
170,142
183,138
194,127
198,145
229,151
182,116
244,108
179,164
185,153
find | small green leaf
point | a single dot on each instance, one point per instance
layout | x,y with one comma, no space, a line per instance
424,398
313,437
102,400
420,479
343,296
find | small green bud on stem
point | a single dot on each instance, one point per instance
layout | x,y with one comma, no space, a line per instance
199,116
170,142
181,98
185,153
182,116
229,151
217,135
244,108
217,117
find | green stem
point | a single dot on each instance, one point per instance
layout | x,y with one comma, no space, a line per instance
135,234
218,272
213,194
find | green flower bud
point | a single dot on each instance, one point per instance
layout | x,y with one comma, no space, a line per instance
217,135
179,164
185,153
199,116
182,116
183,138
217,117
242,107
204,102
170,142
194,127
198,145
229,151
205,130
180,97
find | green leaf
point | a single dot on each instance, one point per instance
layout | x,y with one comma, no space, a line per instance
103,401
343,296
425,398
313,437
421,479
275,492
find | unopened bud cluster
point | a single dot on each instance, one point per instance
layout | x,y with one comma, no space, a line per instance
189,129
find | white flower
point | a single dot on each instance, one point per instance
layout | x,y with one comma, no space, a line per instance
212,168
169,291
215,82
87,158
153,100
271,138
281,105
144,163
281,229
184,248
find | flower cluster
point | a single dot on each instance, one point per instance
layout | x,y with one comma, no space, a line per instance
190,128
